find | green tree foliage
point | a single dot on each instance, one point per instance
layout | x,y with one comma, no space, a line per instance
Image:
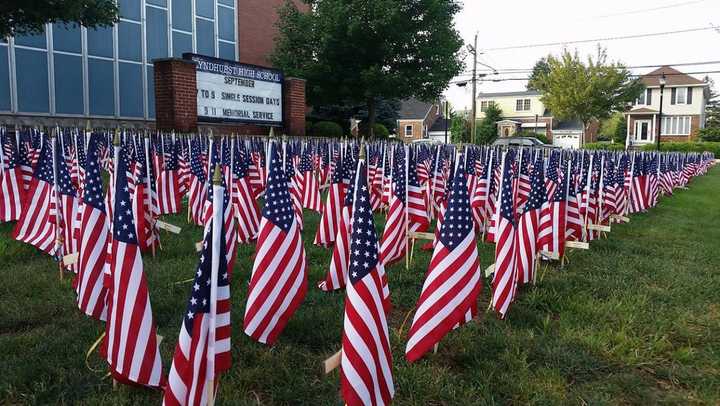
327,129
541,68
621,131
354,51
587,91
711,132
486,130
459,129
29,17
611,127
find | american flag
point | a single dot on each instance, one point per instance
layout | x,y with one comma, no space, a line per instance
639,198
294,187
332,211
553,220
651,171
308,183
522,178
247,211
417,200
35,226
198,185
11,181
366,364
279,281
168,183
131,342
337,274
228,216
666,180
528,227
25,159
552,174
574,221
394,238
145,203
504,280
94,230
452,283
184,166
190,373
69,204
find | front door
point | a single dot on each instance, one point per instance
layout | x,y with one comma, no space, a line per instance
642,131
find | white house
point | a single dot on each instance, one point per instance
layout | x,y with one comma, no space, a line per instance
683,108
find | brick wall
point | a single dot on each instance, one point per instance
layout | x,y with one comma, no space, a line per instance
257,29
417,130
294,106
175,95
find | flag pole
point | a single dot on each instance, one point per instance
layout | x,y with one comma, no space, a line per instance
217,256
407,210
116,161
148,186
58,237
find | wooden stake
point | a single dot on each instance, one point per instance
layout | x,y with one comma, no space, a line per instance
333,362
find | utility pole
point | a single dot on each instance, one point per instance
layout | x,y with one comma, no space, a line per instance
474,87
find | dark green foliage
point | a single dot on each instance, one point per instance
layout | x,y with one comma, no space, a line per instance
540,69
709,134
606,146
29,17
380,131
635,320
387,112
459,129
486,131
327,129
352,52
621,131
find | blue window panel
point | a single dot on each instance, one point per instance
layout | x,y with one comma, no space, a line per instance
182,15
66,37
156,33
161,3
227,51
100,42
205,8
151,91
4,79
100,81
230,3
226,24
205,37
32,81
181,43
68,84
130,9
131,90
129,41
37,40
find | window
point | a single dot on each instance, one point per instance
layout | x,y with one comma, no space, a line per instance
675,125
227,2
522,105
66,38
4,79
227,51
679,95
68,84
129,41
226,24
102,93
204,8
645,98
156,33
35,41
131,98
205,37
161,3
100,42
130,9
181,43
181,15
31,68
485,104
408,130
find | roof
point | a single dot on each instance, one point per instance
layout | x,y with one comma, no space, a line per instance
641,110
439,125
673,77
413,109
520,93
570,125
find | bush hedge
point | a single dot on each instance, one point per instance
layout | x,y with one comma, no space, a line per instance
327,129
713,147
380,131
710,134
605,146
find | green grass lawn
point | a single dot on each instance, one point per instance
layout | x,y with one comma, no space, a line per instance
633,320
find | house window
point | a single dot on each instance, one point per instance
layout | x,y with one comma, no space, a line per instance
675,125
485,104
522,105
408,130
645,98
679,95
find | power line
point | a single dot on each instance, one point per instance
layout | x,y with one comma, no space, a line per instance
583,41
526,70
675,5
637,76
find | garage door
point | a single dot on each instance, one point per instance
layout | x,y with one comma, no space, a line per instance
571,141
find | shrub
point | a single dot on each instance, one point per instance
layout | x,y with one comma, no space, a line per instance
327,129
713,147
604,146
710,134
380,131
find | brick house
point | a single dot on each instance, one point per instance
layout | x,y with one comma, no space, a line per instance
683,109
415,119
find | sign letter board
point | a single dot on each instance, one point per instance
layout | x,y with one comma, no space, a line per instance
229,91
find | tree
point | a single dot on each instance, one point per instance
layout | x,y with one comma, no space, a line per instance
712,109
22,17
586,91
354,51
459,129
387,114
486,131
620,131
540,69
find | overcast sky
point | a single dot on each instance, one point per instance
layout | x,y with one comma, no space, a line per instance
522,22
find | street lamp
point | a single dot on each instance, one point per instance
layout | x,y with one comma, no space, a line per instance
659,126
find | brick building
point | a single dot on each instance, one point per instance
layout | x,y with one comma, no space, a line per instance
415,119
69,74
